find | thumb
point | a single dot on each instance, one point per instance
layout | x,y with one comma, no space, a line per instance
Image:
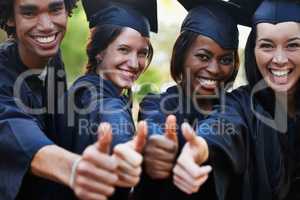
141,136
104,137
197,144
170,130
189,134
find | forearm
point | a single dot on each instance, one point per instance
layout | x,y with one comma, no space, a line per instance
53,163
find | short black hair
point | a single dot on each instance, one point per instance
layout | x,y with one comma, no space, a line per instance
7,12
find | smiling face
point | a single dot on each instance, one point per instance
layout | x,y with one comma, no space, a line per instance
207,65
124,59
277,53
40,28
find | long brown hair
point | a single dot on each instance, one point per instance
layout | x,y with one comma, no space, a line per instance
100,38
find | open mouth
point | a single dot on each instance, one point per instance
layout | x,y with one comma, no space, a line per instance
281,73
44,40
280,76
208,83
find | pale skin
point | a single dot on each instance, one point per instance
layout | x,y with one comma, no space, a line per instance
188,174
97,173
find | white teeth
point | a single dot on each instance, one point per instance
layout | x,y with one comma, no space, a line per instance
208,82
45,40
280,72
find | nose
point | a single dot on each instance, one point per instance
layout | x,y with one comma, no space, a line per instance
280,57
45,23
133,61
213,67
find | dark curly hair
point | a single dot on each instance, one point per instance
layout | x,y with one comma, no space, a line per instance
7,12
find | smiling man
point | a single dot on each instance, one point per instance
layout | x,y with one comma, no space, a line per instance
33,164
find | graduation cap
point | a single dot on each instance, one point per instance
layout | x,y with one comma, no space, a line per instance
269,11
277,11
140,15
247,9
212,18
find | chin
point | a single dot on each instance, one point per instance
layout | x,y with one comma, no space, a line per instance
47,53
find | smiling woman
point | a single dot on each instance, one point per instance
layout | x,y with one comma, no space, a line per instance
123,60
277,56
204,59
118,50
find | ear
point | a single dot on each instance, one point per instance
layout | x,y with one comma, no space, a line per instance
100,56
11,22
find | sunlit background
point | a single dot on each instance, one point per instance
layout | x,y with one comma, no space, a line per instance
157,76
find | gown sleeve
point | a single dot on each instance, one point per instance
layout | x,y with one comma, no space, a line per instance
113,110
150,112
21,137
226,134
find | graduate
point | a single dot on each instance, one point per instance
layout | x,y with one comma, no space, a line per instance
255,155
33,164
118,50
205,59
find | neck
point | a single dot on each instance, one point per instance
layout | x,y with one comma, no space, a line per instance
205,104
120,91
32,62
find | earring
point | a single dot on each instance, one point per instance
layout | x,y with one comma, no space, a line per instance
98,61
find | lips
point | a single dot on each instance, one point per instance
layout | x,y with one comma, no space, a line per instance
280,76
128,74
46,41
207,83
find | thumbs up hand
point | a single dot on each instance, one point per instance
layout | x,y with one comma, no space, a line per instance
188,175
95,175
129,158
161,150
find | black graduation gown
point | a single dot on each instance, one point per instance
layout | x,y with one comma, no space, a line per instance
23,134
154,109
251,160
104,104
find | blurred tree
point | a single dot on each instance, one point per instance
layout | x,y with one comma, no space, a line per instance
2,35
74,44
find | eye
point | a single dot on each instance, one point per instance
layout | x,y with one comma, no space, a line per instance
266,46
124,50
203,57
227,60
57,10
28,14
143,54
293,46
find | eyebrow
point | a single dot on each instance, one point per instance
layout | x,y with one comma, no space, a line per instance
28,8
206,51
294,38
32,7
56,4
265,40
211,53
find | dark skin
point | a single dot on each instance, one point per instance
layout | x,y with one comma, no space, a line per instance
206,66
